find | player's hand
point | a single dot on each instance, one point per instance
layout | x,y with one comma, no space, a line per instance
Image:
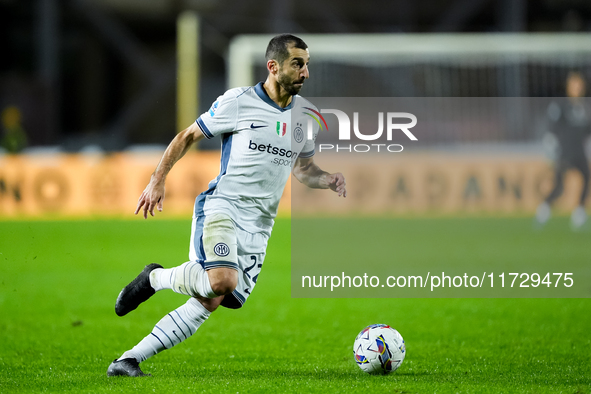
336,183
152,197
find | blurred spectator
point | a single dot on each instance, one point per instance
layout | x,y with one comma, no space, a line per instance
14,138
570,123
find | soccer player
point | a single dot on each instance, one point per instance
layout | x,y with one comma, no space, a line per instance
262,143
570,123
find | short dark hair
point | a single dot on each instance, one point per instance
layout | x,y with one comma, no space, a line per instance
278,47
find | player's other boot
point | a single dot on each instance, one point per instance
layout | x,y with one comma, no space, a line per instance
543,213
125,367
138,291
578,218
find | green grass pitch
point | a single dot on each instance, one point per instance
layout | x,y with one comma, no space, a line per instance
59,331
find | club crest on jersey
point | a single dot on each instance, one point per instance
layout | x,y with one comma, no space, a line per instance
281,128
298,133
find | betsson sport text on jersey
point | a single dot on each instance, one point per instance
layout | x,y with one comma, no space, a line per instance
273,150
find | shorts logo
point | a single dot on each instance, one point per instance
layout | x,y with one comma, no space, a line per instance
221,249
298,134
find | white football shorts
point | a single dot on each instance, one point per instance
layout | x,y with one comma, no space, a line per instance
216,241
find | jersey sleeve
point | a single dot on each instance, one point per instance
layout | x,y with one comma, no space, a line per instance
308,149
309,146
221,117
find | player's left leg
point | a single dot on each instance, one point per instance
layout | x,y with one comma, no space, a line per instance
251,255
561,167
189,279
213,268
212,271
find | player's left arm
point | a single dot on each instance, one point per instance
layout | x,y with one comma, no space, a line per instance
308,173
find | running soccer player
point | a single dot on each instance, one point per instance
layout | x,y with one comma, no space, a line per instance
570,123
233,219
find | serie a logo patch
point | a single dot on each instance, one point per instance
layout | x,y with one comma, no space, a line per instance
281,128
214,108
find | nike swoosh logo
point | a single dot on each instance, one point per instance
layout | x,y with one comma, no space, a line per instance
252,126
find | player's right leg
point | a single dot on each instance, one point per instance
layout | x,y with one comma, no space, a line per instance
543,213
544,210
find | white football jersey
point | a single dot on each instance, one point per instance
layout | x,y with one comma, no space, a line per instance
260,144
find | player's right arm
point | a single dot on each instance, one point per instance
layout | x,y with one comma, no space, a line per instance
153,195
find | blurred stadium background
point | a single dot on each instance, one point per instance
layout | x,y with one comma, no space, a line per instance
92,91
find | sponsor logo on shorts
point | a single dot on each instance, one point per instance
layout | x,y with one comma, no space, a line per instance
221,249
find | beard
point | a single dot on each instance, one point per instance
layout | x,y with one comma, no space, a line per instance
288,85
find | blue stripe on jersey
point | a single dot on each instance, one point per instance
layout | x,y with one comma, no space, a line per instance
260,91
204,128
306,155
199,236
226,150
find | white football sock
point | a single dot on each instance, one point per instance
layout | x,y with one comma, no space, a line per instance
188,279
543,213
171,330
578,217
